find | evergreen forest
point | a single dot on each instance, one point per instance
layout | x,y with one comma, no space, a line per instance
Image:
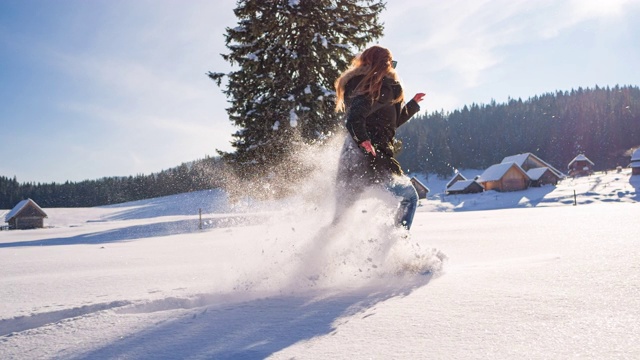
601,123
202,174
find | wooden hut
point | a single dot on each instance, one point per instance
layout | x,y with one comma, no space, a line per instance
420,188
457,177
26,215
635,162
507,176
464,187
542,176
580,166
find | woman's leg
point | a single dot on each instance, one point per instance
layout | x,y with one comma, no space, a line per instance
350,181
408,201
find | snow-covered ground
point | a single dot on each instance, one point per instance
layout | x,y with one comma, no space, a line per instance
527,275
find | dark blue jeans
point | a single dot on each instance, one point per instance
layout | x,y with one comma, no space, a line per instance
408,195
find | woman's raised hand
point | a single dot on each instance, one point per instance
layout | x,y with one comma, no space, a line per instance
418,97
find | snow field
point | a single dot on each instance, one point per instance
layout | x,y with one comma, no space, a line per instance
542,279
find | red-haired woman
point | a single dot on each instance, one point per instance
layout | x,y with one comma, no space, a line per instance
372,97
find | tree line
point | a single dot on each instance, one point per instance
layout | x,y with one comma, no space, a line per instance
201,174
602,123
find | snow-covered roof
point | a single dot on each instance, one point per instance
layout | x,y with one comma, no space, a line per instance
456,177
636,155
460,185
415,181
21,205
537,173
520,159
497,171
635,164
581,157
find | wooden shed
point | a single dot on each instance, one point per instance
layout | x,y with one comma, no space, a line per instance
420,188
635,162
457,177
464,187
26,215
507,176
542,176
580,166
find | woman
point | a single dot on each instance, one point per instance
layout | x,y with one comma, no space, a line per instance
372,97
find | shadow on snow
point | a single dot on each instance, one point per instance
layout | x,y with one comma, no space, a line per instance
254,329
140,232
209,201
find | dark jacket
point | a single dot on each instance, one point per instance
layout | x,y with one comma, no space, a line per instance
376,122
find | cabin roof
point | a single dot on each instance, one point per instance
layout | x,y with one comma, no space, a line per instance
461,185
536,173
636,155
415,181
496,172
455,178
520,159
581,157
21,206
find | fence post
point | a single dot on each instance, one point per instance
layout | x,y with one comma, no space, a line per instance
200,216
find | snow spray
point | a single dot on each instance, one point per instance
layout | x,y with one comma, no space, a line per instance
303,248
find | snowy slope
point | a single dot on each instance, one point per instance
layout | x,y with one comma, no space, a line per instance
528,275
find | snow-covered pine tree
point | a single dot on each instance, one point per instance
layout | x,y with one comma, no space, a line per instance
288,54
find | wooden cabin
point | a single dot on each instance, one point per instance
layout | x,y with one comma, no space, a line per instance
464,187
528,161
580,166
542,176
635,162
457,177
507,176
421,189
26,215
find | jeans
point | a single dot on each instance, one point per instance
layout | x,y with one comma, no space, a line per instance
353,178
408,201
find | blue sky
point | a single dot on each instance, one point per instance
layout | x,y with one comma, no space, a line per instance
115,88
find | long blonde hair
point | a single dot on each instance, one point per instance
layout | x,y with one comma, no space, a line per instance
375,64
